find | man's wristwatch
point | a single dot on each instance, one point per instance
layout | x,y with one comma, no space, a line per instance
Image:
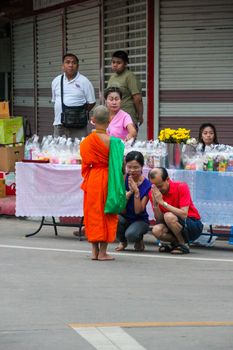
165,204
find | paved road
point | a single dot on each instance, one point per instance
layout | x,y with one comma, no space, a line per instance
53,297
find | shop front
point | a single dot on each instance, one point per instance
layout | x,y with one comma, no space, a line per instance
180,50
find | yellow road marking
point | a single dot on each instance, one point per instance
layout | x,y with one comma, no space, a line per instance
155,324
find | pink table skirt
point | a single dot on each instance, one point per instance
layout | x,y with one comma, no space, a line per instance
48,190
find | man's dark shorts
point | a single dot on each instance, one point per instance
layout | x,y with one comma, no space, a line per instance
192,228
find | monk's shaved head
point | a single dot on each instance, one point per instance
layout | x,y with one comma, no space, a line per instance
101,115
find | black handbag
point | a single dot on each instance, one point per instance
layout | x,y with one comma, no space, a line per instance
73,117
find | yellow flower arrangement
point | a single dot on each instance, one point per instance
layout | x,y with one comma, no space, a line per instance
179,135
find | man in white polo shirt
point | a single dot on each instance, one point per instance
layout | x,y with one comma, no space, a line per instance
77,91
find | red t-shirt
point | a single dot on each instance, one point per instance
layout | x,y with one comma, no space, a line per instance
178,196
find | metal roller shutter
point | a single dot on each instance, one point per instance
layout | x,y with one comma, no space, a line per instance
125,28
23,69
83,39
40,4
5,68
196,65
49,52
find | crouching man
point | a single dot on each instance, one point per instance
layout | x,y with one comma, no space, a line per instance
177,220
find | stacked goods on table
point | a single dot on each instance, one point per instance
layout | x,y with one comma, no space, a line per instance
165,151
62,150
215,158
11,151
59,150
190,153
175,149
154,152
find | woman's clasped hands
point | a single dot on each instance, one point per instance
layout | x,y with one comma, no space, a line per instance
132,184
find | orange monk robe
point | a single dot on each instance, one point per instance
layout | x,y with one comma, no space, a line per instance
99,227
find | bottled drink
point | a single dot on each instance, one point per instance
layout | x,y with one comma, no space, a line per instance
210,164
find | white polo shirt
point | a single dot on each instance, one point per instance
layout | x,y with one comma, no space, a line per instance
76,92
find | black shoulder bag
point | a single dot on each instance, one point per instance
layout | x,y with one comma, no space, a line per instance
73,117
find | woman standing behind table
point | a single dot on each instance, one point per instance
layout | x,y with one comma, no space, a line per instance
121,124
127,81
207,136
133,222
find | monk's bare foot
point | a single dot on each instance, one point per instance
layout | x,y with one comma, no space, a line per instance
94,257
105,257
95,251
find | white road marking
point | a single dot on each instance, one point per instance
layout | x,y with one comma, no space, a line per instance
94,337
132,255
109,338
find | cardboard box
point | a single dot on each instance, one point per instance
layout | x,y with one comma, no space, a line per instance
2,188
9,156
4,117
9,182
4,110
11,130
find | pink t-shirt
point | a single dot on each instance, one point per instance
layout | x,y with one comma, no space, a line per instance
118,125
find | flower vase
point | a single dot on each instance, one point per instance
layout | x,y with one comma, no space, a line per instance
174,155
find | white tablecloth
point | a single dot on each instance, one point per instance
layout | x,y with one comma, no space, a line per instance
54,190
48,190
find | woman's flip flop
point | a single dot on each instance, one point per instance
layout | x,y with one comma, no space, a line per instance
121,246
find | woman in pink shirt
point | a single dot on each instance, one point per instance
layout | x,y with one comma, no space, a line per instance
121,124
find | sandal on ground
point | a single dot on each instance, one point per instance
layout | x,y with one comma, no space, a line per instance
165,248
77,233
139,246
121,246
80,233
180,249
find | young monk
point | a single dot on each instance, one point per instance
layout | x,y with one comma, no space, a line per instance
94,149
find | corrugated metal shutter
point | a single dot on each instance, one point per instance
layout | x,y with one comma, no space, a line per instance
40,4
48,61
5,68
23,69
83,39
196,65
125,28
5,57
